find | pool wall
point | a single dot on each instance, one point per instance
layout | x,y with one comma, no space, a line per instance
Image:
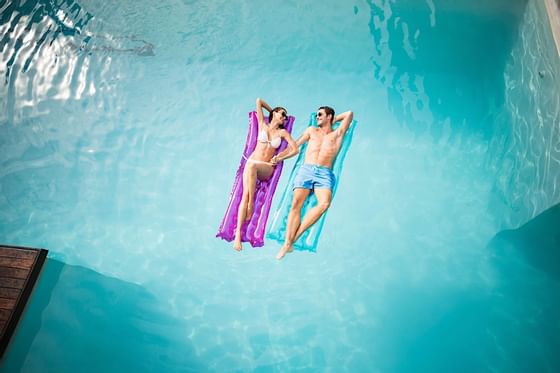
526,156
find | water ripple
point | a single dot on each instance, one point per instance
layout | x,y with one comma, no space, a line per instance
48,53
528,125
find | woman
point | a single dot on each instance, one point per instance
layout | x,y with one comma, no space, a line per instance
260,164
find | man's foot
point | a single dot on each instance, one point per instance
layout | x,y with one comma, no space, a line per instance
283,250
237,245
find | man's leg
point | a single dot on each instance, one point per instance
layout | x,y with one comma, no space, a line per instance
324,197
294,218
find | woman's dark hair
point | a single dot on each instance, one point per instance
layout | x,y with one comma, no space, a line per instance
277,108
328,110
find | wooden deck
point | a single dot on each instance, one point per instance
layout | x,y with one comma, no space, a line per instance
19,269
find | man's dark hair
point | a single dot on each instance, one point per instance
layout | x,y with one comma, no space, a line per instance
329,111
277,108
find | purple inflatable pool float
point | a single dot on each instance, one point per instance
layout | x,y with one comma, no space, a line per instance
252,230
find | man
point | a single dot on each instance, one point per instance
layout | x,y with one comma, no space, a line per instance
315,175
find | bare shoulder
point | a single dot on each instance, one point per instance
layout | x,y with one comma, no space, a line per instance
283,132
312,130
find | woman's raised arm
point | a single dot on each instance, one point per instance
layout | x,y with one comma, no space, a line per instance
260,105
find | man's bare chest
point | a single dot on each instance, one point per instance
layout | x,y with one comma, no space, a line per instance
320,140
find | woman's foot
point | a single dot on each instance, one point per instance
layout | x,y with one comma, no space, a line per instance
237,245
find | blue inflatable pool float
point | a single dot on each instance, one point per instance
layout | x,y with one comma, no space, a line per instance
309,239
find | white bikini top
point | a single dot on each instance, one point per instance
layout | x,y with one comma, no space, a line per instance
263,137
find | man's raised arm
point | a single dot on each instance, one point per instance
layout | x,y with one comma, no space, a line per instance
345,119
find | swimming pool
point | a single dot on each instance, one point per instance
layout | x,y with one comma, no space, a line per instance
121,128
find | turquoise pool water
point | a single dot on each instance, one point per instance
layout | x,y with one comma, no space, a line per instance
121,128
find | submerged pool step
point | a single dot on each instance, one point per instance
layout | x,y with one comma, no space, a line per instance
19,270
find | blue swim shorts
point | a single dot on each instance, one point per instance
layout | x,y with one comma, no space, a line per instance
310,176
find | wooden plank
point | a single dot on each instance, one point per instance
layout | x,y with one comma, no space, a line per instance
16,285
7,303
13,283
12,252
5,314
13,273
21,263
9,293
